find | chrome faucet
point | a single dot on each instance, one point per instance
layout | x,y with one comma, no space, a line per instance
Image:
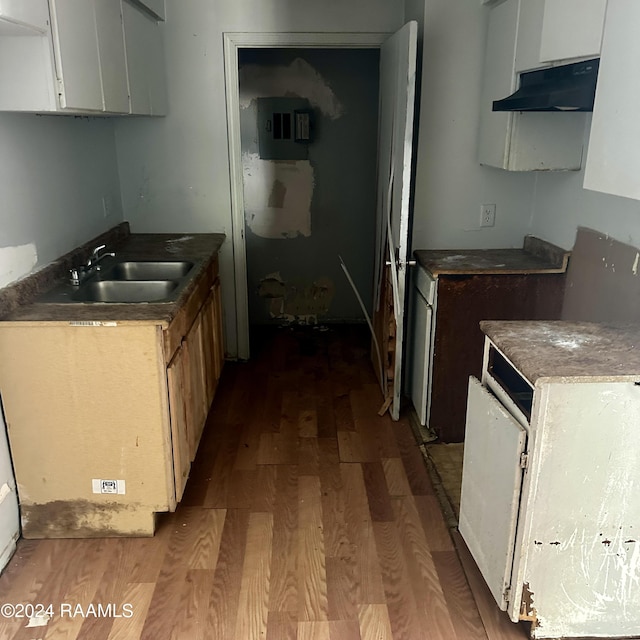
78,274
97,257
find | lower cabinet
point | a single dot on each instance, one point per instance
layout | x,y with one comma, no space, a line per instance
104,418
550,478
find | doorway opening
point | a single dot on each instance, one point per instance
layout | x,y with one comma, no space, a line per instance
397,76
310,195
234,44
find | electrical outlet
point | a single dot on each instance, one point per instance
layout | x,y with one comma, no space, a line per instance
487,215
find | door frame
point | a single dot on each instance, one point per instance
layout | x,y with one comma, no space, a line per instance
232,43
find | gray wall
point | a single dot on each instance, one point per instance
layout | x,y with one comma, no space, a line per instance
450,184
327,204
561,204
55,173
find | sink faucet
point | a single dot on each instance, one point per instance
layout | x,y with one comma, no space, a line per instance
97,257
78,274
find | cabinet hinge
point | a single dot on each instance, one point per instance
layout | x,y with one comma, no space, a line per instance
506,594
524,460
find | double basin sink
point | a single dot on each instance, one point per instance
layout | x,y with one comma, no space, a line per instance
128,281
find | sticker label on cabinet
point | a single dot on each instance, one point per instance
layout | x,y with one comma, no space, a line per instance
92,323
109,486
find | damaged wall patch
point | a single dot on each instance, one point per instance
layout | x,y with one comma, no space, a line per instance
277,196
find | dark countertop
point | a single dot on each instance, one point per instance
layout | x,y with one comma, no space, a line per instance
21,302
536,256
559,349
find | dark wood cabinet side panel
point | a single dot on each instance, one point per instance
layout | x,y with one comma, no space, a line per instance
462,302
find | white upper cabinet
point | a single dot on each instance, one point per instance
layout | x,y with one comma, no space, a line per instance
613,158
94,57
571,29
518,141
113,62
529,30
23,17
77,57
145,62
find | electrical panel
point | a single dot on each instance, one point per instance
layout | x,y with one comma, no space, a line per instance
285,128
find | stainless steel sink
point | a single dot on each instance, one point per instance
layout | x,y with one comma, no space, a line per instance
125,291
148,270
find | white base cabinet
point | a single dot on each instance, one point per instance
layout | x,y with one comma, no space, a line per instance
549,506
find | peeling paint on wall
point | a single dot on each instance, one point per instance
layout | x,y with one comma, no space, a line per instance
298,79
277,196
296,302
16,262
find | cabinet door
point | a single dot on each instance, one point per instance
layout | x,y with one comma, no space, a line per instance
145,62
179,428
212,342
528,39
77,56
572,29
420,350
196,389
613,158
218,330
498,82
491,483
113,64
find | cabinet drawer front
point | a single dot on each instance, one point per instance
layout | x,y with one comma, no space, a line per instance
425,284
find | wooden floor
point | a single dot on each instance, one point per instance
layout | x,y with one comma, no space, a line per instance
306,516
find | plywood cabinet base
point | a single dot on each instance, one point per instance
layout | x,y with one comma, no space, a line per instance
102,423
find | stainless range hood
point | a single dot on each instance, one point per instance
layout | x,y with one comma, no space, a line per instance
571,87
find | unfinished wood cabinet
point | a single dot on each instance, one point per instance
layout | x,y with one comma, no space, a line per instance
104,418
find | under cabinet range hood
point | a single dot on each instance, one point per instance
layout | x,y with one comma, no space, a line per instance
570,87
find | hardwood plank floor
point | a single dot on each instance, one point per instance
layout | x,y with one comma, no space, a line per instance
306,516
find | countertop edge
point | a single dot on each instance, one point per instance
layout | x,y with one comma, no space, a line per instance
546,258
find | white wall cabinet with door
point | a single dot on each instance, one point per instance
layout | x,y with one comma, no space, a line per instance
613,158
78,60
518,141
571,29
145,62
